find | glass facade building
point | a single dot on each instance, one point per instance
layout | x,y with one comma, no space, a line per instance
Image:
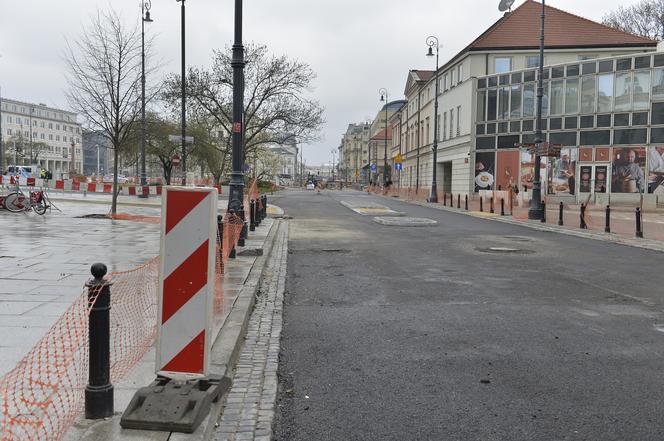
607,115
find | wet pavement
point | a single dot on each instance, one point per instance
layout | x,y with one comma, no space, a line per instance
45,261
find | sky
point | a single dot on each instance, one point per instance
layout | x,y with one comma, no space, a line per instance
356,47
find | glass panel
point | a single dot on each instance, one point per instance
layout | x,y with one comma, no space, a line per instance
490,128
558,72
529,99
597,137
630,136
555,123
587,122
659,60
545,100
481,105
642,62
641,89
515,105
481,84
492,105
572,70
529,76
486,143
493,81
623,91
588,94
502,127
557,97
571,122
516,78
504,80
603,120
572,96
515,126
528,125
640,119
606,66
503,102
605,92
658,84
503,65
480,129
624,64
657,113
589,68
621,119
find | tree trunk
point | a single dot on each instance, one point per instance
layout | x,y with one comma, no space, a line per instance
114,201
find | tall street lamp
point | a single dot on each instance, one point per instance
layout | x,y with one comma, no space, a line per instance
145,18
184,120
433,42
536,211
235,201
384,97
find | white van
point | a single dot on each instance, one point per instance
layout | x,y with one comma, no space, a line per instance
24,171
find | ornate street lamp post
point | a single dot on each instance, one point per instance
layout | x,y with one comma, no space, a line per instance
235,201
384,97
145,18
433,42
536,211
184,117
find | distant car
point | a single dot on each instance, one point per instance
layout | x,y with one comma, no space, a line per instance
310,186
122,179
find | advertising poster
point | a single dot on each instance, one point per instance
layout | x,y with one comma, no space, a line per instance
656,170
528,171
627,171
601,178
485,164
562,172
507,170
586,172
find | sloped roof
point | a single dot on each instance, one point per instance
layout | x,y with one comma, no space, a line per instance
416,76
521,29
380,136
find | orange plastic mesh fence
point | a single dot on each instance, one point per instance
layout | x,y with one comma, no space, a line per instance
43,394
136,218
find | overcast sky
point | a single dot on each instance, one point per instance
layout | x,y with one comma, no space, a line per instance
355,46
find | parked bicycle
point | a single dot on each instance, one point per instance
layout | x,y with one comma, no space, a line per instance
17,201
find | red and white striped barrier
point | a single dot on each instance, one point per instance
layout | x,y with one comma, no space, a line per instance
186,281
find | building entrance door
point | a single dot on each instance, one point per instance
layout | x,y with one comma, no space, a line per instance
447,176
594,181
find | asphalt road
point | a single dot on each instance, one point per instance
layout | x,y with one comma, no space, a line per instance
418,333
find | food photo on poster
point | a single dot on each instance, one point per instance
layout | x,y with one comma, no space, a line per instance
656,170
627,171
528,170
585,172
562,172
485,163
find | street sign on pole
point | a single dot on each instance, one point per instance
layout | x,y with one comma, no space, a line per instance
177,139
374,168
176,160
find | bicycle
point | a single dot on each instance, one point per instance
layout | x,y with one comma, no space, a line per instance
17,201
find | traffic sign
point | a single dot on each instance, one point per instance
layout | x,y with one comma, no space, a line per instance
374,168
175,160
398,166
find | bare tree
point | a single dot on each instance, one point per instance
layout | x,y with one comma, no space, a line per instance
645,18
105,80
277,109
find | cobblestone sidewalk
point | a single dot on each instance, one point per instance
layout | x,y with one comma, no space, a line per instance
250,405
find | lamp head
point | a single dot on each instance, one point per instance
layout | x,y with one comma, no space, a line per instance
382,97
147,18
430,52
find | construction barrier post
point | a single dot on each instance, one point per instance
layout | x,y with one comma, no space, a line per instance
639,231
458,201
481,204
99,391
560,214
543,220
220,233
607,223
502,206
244,233
466,202
233,253
252,215
582,224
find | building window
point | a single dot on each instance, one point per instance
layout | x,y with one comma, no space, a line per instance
605,92
623,91
460,73
428,129
571,96
503,103
481,105
557,97
532,60
451,123
515,104
50,137
588,94
444,126
18,120
453,78
57,138
458,128
445,82
57,127
641,89
502,64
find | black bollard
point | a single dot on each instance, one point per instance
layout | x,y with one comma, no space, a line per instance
252,215
502,206
560,214
244,233
444,199
582,224
481,204
264,206
458,201
607,223
491,210
543,220
99,391
639,231
466,202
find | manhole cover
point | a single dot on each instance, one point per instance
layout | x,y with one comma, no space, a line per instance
504,250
